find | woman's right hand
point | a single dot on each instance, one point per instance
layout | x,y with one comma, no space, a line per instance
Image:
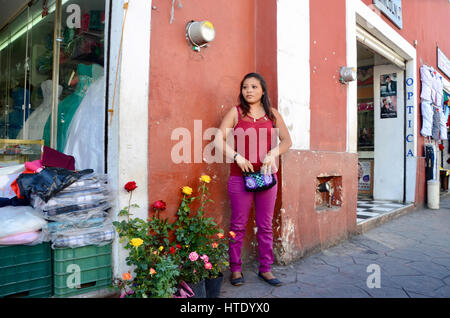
244,164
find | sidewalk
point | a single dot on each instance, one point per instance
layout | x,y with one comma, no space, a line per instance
412,252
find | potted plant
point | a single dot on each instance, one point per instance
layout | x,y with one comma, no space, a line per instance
196,257
203,253
218,255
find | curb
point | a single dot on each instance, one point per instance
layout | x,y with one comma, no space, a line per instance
382,219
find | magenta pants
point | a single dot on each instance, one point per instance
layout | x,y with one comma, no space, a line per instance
241,202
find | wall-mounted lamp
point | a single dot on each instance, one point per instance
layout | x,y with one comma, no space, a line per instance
348,74
199,34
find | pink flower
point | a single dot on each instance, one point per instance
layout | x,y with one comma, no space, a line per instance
205,258
208,265
193,256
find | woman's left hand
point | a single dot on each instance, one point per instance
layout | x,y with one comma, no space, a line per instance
269,165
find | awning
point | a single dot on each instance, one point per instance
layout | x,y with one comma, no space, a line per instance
379,47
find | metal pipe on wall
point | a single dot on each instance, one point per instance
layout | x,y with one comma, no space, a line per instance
55,76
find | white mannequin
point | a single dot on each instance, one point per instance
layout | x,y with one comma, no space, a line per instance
36,121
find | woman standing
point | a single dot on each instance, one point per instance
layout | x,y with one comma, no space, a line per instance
253,118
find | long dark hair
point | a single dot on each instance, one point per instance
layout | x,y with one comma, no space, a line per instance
265,100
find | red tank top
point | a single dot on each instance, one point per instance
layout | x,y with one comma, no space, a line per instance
252,140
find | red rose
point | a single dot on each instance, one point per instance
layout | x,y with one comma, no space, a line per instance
159,205
130,186
178,246
172,250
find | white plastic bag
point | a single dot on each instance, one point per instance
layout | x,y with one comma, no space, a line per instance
20,219
7,176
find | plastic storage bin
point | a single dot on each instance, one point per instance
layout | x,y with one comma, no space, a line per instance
26,271
81,270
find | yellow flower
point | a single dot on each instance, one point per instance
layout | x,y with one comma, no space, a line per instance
205,178
136,242
161,248
187,190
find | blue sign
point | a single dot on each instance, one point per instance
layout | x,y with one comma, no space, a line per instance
392,9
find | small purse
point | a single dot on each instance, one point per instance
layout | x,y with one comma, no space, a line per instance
257,181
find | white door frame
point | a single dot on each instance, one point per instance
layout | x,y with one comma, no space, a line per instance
357,12
128,126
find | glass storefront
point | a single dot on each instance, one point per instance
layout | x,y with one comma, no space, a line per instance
27,73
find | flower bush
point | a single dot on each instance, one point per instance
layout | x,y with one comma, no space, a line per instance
198,249
197,235
156,272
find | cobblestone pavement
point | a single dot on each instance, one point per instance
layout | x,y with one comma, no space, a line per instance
411,252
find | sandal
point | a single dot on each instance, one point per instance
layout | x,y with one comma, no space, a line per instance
237,281
273,281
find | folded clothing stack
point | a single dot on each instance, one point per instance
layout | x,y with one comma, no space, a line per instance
20,225
78,215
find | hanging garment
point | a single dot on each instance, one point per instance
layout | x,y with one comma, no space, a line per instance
426,96
427,78
431,103
429,162
436,123
86,134
35,123
438,87
87,74
442,124
427,118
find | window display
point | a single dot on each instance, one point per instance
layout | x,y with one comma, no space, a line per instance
26,69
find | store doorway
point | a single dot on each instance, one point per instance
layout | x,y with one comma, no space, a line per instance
380,127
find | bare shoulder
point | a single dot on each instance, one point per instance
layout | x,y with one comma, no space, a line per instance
231,117
276,113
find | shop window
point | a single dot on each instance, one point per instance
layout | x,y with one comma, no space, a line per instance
81,59
26,71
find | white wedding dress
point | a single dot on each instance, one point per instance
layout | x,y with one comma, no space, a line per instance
86,133
36,121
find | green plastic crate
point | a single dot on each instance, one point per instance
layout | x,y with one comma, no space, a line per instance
26,271
93,263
